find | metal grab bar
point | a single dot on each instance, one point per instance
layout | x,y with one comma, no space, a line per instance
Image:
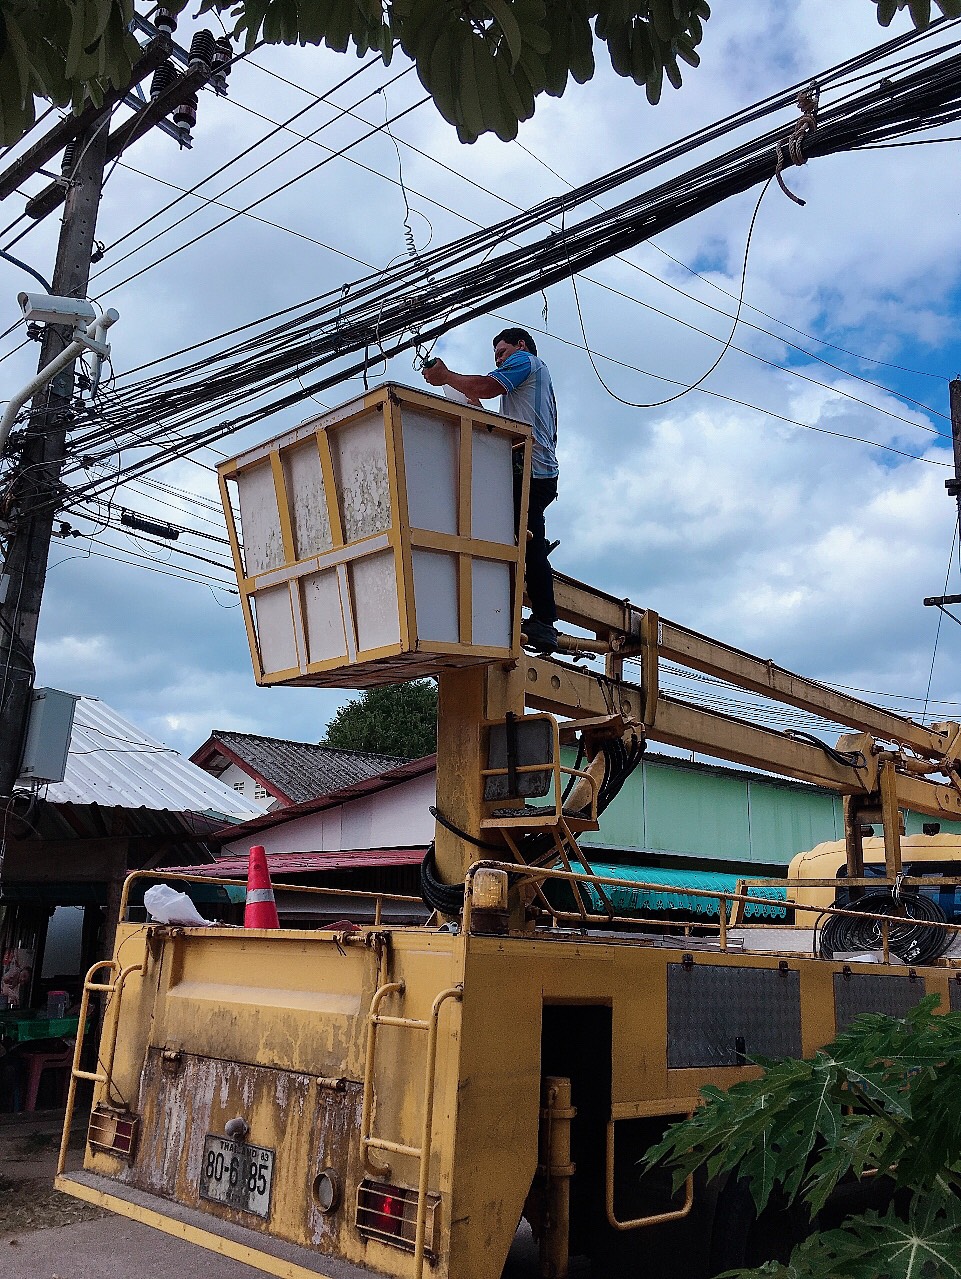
223,881
103,1076
653,1219
528,871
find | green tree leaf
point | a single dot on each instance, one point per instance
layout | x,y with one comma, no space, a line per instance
72,52
395,719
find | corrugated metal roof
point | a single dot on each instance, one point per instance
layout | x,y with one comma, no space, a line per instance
296,771
303,863
116,765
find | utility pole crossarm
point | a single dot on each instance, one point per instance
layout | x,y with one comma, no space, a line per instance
72,126
127,133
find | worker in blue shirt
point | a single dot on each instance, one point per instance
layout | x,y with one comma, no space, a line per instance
523,382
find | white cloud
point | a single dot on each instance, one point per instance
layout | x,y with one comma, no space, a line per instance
805,547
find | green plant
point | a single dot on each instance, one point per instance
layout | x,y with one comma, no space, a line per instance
395,719
484,62
885,1095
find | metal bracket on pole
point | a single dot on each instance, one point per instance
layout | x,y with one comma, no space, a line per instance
90,339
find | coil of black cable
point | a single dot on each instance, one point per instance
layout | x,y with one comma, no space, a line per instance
908,935
448,899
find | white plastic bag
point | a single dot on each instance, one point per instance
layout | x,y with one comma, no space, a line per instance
167,906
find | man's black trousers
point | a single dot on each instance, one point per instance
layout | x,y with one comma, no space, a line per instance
538,575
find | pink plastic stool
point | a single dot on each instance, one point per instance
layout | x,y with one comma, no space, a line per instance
62,1059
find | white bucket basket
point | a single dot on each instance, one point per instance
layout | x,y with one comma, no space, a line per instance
376,543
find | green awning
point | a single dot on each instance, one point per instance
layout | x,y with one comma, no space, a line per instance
200,894
660,889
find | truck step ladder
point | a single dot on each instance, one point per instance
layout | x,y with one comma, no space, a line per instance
368,1141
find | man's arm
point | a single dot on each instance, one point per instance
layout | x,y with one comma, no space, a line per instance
476,386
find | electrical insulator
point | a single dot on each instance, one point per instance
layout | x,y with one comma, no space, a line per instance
165,21
220,67
185,115
163,78
202,49
69,158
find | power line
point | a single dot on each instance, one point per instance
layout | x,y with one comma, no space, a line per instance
187,244
392,304
239,182
316,100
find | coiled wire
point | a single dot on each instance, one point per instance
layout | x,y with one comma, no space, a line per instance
908,936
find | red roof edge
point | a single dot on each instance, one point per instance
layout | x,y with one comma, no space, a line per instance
214,746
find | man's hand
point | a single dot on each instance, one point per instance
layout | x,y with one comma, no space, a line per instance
436,373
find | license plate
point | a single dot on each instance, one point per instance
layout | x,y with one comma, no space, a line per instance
236,1174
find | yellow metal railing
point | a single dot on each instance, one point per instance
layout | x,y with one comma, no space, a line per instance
114,989
727,898
368,1142
308,889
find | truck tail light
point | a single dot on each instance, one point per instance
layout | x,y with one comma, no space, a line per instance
385,1211
389,1213
114,1131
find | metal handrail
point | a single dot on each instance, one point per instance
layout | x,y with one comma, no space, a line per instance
723,896
652,1219
105,1075
224,881
422,1152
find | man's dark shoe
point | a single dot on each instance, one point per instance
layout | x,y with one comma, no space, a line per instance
540,636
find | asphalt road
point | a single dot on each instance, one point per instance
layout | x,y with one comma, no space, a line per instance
111,1248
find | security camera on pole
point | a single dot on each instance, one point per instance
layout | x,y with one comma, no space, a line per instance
45,308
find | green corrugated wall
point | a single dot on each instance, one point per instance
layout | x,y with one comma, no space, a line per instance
701,810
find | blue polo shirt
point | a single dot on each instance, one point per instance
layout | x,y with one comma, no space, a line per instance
529,397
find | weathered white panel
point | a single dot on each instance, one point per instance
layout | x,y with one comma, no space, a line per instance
373,586
324,616
262,540
275,629
435,596
359,452
431,464
492,488
491,603
308,502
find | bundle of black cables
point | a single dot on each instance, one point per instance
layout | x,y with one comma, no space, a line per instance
909,936
620,760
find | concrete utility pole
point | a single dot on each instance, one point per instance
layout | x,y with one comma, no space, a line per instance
37,478
954,486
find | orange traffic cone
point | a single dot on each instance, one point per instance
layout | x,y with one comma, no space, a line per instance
260,910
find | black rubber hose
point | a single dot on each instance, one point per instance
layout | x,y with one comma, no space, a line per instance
908,936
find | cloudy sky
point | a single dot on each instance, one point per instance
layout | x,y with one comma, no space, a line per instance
793,505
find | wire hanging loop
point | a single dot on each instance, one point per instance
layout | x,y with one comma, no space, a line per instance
794,145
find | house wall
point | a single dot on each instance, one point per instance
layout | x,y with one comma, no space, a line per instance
242,782
665,806
394,818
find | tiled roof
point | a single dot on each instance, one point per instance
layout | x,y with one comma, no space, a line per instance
292,771
114,764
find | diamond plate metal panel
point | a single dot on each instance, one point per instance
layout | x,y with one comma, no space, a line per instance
873,993
719,1015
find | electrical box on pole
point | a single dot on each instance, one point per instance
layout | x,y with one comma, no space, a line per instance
47,742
